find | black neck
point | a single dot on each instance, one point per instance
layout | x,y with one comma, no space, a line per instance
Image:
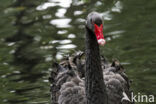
95,87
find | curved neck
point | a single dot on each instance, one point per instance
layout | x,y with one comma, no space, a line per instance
95,87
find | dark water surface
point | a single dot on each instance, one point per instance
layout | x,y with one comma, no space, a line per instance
35,33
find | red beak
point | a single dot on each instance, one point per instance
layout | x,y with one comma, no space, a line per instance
99,34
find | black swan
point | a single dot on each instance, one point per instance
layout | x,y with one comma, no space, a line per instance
88,78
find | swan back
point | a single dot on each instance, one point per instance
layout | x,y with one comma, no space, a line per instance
68,86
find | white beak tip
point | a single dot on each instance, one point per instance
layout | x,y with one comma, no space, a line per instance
102,42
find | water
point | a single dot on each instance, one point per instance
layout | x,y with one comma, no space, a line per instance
34,34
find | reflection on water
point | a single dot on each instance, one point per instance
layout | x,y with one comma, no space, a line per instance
117,7
61,23
52,3
60,13
71,36
68,46
34,34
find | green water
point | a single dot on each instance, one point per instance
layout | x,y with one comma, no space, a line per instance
35,33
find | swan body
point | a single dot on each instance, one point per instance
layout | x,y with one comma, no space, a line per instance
88,78
68,82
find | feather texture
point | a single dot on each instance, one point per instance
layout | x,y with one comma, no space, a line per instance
68,85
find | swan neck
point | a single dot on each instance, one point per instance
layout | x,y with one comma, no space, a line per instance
94,82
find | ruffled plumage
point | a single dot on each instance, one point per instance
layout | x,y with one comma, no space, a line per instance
68,85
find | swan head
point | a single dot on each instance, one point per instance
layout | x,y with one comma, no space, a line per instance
94,23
